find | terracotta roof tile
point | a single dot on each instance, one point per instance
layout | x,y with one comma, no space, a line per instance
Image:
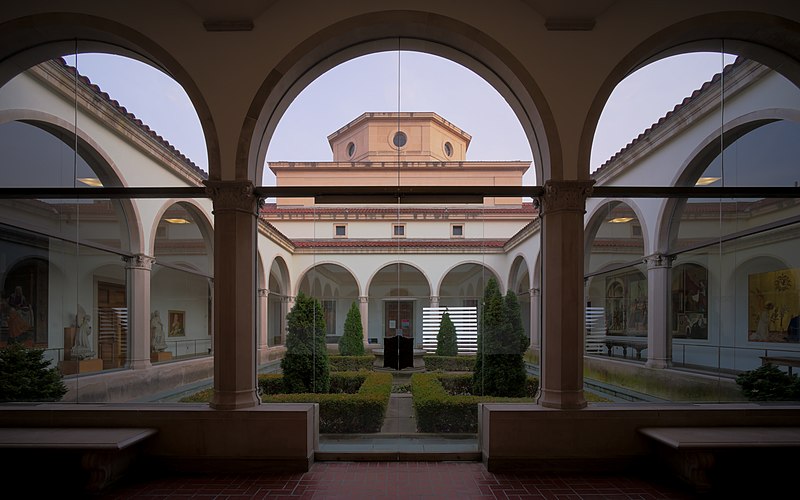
697,93
133,118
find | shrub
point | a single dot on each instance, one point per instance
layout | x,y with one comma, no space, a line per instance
500,368
449,363
305,364
352,341
446,341
26,376
769,383
362,412
443,403
351,363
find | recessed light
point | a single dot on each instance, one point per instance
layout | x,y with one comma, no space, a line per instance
178,221
620,220
91,181
705,181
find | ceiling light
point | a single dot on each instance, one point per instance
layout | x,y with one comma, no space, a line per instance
91,181
705,181
178,221
620,220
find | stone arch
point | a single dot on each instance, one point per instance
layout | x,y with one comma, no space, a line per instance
404,30
696,162
33,39
475,279
596,218
762,37
98,160
199,216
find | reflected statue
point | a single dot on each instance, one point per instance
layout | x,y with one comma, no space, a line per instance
157,342
82,348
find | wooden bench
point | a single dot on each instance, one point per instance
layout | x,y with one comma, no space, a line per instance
104,454
700,455
781,361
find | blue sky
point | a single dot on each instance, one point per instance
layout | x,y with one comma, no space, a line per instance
426,83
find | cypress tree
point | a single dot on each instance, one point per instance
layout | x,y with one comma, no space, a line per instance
446,341
305,366
352,341
500,367
491,320
26,376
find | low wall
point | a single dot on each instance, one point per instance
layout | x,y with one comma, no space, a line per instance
193,437
601,437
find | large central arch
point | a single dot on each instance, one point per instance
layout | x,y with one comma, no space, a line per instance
398,30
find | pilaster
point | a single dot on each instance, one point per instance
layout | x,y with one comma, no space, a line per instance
659,337
138,269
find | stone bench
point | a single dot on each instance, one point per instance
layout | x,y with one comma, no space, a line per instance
103,454
704,456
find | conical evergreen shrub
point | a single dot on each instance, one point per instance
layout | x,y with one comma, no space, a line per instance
500,367
305,366
352,341
446,340
26,376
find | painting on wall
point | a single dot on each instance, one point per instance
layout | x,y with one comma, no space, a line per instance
177,323
626,304
690,302
773,306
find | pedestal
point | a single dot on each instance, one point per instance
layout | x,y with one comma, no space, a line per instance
69,341
71,367
160,356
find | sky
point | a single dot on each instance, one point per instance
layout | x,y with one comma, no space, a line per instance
426,83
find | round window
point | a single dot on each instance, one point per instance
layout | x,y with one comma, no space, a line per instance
448,149
351,149
399,139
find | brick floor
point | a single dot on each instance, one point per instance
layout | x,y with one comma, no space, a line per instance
400,480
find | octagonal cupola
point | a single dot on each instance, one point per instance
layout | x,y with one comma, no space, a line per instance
391,136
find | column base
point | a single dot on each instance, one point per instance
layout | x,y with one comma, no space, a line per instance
659,364
234,400
562,400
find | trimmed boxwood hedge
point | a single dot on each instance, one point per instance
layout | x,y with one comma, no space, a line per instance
449,363
351,363
361,412
438,411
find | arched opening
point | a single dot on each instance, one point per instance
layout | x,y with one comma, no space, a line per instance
336,289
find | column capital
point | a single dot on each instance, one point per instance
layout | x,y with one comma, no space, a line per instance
232,196
658,260
363,299
263,292
139,261
565,196
534,292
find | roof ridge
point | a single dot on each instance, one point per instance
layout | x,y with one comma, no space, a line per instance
131,117
686,100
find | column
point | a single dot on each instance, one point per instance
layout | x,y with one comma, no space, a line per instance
562,208
659,286
536,334
263,322
137,268
363,310
235,218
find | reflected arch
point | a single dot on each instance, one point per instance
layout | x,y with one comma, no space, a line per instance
464,283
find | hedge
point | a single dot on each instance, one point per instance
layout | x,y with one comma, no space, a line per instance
351,363
438,411
449,363
362,412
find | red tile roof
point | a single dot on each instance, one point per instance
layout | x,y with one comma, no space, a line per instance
399,243
273,209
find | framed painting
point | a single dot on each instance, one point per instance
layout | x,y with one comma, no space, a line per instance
177,323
